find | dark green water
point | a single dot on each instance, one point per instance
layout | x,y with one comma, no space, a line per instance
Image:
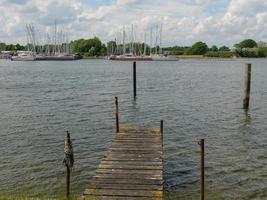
199,98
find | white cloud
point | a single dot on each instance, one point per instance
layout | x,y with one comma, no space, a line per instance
184,22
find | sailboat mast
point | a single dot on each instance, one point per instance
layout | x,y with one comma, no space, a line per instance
55,39
160,42
150,42
145,45
132,50
123,38
156,42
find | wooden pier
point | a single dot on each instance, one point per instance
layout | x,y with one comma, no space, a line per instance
132,169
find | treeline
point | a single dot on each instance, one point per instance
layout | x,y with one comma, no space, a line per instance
11,47
94,47
246,48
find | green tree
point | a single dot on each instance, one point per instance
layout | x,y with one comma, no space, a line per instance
10,47
2,46
214,48
262,52
224,48
19,47
103,51
91,47
199,48
176,50
248,43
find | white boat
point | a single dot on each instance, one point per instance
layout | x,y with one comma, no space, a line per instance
128,57
161,57
24,56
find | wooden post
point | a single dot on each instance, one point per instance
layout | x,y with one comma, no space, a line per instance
117,115
202,169
68,182
134,79
247,80
68,161
161,131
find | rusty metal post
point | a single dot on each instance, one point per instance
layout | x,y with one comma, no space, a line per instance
247,80
117,115
161,131
134,79
202,168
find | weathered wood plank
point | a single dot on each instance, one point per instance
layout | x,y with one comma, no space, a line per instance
129,176
102,197
139,141
135,193
137,154
114,180
136,149
134,145
146,163
128,167
124,186
127,171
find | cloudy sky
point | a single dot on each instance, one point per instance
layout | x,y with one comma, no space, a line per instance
184,21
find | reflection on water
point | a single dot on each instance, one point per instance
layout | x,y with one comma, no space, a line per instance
196,99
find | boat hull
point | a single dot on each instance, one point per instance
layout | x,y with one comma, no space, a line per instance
131,58
22,59
142,58
58,58
164,58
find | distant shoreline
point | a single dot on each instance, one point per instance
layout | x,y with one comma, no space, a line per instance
186,57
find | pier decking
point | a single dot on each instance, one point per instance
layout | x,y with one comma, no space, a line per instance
132,168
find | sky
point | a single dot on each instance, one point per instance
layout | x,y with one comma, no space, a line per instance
184,22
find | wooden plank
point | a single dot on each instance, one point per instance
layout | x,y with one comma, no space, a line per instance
132,144
129,176
114,180
139,140
102,197
124,186
129,167
136,149
132,159
111,192
142,157
127,171
132,163
137,153
137,135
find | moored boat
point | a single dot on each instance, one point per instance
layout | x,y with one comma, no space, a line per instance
161,57
129,58
24,56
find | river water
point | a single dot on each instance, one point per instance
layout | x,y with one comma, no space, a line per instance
195,98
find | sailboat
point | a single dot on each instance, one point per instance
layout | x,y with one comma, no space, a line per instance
160,56
30,54
120,53
24,56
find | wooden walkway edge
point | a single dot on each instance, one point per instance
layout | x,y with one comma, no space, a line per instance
132,168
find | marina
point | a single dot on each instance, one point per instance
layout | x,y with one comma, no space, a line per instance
126,47
56,48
